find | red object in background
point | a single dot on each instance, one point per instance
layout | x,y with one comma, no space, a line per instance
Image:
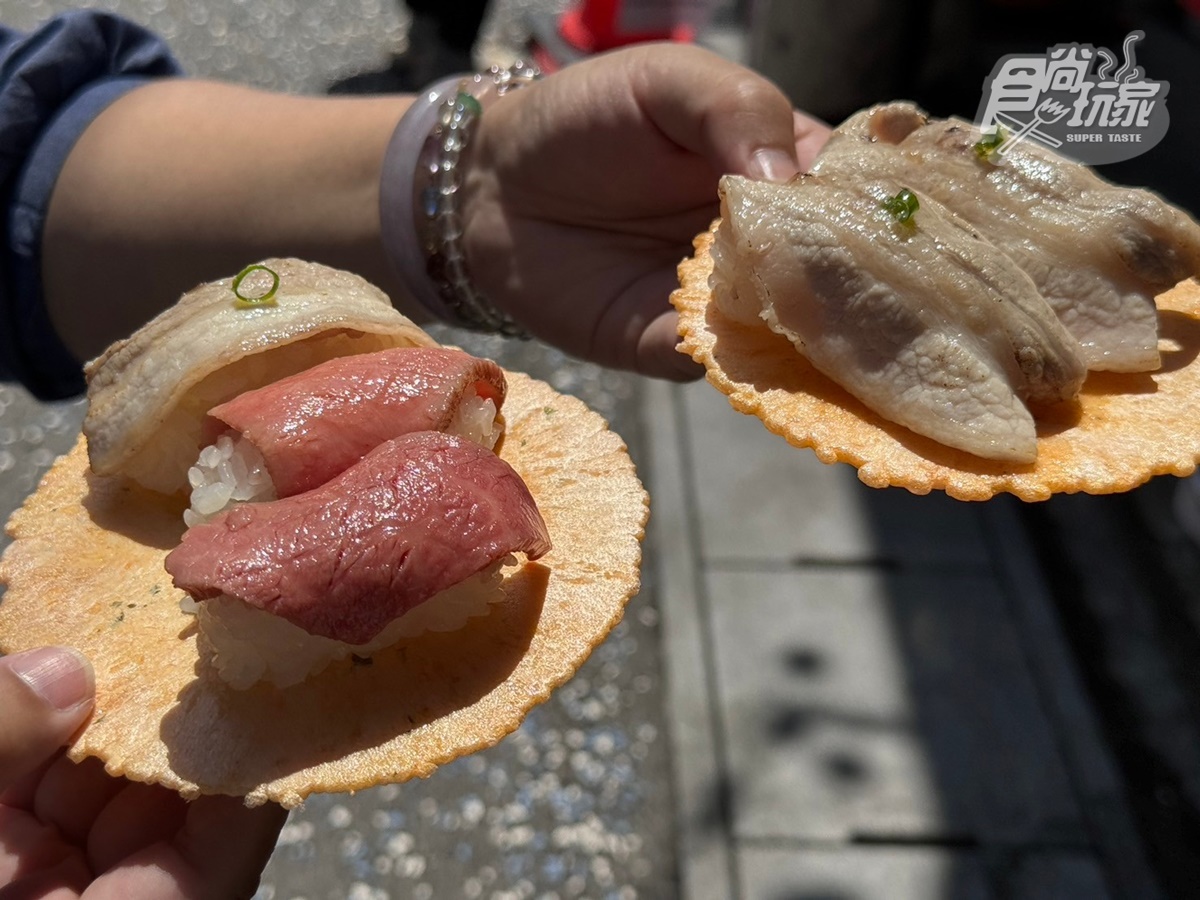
593,26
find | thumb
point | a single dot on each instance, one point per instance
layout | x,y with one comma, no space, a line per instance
45,695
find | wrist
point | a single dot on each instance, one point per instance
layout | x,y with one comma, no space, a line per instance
422,195
398,194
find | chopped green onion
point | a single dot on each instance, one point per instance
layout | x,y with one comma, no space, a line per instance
989,142
266,299
903,205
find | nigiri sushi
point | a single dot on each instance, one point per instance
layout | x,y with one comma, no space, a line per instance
922,320
1098,252
302,581
149,395
1009,278
295,434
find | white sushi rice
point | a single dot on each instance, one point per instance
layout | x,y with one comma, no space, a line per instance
228,472
249,645
476,420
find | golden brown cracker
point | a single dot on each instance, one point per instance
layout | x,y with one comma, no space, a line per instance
1122,430
86,569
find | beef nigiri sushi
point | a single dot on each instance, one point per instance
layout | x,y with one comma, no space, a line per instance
409,537
294,434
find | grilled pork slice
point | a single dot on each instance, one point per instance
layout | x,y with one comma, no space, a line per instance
418,514
313,425
926,323
148,394
1099,253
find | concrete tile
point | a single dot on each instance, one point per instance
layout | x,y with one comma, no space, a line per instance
32,436
916,873
701,817
1094,773
1056,876
861,873
759,498
860,704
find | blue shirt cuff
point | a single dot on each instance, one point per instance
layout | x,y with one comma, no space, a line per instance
49,368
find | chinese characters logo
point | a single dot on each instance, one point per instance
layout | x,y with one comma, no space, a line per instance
1072,100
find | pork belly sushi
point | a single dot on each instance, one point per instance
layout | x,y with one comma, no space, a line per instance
921,319
1098,252
149,395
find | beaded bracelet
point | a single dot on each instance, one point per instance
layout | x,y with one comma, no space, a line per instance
419,205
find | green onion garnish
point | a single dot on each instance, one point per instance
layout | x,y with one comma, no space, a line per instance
989,141
903,205
266,299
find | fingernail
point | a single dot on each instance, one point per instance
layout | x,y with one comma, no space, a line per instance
772,165
59,675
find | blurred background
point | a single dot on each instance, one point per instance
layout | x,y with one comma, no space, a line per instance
823,692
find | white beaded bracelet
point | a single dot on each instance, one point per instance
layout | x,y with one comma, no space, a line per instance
419,203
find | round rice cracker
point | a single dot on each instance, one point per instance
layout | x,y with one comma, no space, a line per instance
86,570
1121,431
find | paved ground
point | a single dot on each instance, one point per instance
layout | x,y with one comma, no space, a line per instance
824,692
869,691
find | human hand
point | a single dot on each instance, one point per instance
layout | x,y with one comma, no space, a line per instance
584,191
69,830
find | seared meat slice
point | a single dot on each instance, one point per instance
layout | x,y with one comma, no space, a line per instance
317,423
415,516
1099,253
925,322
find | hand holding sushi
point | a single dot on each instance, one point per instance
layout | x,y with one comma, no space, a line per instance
74,830
945,319
596,178
327,552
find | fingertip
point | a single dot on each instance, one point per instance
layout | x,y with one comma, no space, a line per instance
229,843
772,164
659,355
741,123
752,131
686,368
61,676
811,136
46,694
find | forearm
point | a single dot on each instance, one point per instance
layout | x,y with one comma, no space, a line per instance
184,181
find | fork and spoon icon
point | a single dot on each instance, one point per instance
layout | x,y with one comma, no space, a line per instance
1047,113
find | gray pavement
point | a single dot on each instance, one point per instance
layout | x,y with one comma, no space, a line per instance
823,692
870,694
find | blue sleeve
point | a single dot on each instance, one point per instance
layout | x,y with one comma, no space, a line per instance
53,82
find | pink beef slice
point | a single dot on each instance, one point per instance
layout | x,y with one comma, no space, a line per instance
317,423
418,514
